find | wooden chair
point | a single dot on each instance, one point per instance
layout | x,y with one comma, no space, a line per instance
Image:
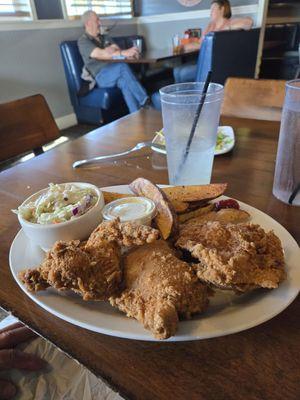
253,98
25,124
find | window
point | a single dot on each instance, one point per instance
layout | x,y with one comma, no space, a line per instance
15,9
76,8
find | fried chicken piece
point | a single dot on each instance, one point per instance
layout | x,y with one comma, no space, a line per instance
92,272
91,269
159,288
239,257
124,233
224,216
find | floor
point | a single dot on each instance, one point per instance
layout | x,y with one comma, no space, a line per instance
66,134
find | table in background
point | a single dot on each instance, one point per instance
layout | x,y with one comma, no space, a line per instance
260,363
155,55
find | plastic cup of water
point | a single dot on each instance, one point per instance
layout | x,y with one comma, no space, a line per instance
286,185
179,106
138,44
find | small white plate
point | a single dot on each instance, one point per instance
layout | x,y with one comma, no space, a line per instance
227,313
226,130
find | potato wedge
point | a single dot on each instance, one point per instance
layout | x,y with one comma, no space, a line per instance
180,206
111,196
225,216
196,213
194,205
195,192
166,218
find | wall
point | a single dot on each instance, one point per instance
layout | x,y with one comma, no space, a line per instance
158,29
31,63
152,7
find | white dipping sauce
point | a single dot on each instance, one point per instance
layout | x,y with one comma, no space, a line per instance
130,209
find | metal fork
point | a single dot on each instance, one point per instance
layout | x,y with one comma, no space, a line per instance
93,160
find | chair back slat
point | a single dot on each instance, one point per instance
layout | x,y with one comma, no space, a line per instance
260,99
25,124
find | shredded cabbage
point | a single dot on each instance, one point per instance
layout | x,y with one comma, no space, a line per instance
60,203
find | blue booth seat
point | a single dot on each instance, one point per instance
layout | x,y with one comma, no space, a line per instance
100,105
226,54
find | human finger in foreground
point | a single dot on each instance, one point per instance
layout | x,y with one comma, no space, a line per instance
14,334
12,358
7,390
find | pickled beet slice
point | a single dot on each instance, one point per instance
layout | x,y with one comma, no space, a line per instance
230,203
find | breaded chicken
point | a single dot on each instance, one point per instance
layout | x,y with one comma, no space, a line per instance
91,269
225,216
123,233
92,272
239,257
159,289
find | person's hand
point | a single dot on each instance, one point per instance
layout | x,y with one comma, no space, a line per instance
111,50
133,52
13,358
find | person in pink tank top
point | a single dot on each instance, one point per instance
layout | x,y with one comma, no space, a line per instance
220,20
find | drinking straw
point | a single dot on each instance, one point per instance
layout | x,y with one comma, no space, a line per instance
195,122
294,194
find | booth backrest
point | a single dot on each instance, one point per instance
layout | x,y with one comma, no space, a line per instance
228,53
73,62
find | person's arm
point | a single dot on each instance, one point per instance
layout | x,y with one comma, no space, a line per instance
241,23
12,358
105,54
133,52
113,50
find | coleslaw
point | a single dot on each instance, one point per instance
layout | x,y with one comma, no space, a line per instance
60,203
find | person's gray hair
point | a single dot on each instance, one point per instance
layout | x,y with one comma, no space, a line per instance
86,16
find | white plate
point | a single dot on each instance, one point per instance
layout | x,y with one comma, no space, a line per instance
226,130
226,314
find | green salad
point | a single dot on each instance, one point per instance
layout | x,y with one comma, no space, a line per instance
222,140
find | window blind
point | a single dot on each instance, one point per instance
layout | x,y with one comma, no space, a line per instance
17,9
101,7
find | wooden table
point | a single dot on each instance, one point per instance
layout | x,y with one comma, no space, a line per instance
154,56
257,364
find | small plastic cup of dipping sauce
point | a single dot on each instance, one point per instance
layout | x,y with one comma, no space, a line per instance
139,210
